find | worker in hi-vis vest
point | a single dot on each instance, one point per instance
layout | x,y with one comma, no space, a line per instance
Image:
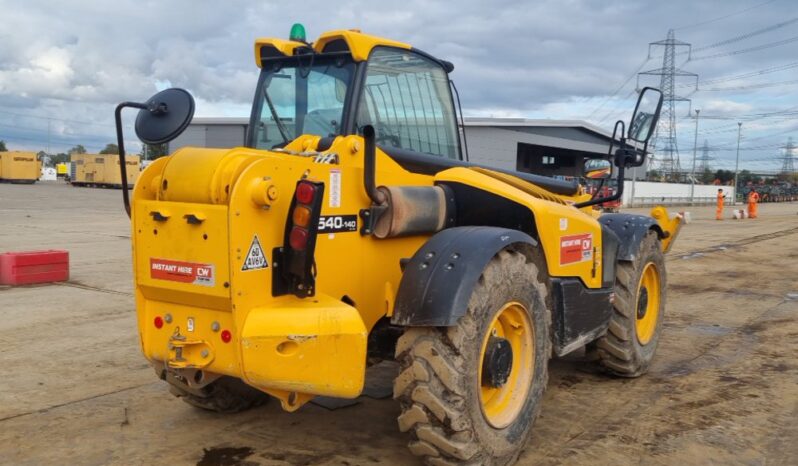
719,209
753,200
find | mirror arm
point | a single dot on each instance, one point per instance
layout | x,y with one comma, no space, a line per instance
120,142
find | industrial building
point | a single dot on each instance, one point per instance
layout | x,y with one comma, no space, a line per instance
550,147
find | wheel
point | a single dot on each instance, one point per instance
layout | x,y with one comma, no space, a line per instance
224,395
631,340
470,393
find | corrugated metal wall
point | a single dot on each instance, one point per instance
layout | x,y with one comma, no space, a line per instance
202,135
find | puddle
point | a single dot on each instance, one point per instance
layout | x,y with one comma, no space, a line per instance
693,255
224,456
793,295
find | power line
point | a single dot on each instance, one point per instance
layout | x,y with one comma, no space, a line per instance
58,141
752,86
720,18
56,119
749,35
618,89
751,74
750,49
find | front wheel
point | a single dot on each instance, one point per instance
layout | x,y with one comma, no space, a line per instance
470,393
628,347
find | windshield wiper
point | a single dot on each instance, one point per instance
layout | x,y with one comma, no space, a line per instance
280,125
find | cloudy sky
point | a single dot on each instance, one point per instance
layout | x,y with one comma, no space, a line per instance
65,65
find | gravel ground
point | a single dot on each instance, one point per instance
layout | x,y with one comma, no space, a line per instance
74,388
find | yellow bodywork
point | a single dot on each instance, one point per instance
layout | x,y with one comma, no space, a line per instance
289,347
102,169
197,214
359,44
20,167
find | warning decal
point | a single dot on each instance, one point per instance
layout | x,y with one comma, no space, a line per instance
576,248
182,272
256,259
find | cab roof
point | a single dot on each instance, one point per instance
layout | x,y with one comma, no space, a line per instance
358,45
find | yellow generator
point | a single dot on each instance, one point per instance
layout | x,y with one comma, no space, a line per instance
102,170
19,167
350,230
62,170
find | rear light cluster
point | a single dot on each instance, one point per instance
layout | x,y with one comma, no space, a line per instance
296,256
302,215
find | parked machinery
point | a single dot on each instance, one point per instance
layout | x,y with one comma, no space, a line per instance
350,230
102,170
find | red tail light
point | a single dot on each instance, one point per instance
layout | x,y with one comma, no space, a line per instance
298,239
158,322
226,336
305,192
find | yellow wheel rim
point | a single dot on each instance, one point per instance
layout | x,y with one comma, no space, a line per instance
648,300
501,404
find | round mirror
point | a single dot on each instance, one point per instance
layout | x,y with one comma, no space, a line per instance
597,169
168,114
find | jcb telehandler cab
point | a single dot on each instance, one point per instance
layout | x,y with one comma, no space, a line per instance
350,229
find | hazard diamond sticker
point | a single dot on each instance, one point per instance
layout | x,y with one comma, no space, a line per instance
256,258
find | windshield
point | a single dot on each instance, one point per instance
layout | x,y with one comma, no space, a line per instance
301,95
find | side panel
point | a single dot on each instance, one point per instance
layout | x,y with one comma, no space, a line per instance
570,239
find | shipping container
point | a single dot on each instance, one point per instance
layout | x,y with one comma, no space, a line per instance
19,167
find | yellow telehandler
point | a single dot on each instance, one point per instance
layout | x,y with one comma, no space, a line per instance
349,230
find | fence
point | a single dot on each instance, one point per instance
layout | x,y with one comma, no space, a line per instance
672,201
647,193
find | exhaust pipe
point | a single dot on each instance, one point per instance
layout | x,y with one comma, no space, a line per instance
402,210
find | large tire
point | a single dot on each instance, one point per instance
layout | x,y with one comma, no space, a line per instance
225,395
446,406
628,347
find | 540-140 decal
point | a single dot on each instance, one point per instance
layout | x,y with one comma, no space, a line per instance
337,223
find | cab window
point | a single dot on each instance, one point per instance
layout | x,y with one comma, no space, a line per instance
407,99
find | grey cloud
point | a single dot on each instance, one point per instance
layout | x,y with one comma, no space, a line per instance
76,60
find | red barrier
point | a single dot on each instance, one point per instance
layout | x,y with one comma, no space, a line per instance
25,268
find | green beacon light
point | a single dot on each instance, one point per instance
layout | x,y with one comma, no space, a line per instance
297,33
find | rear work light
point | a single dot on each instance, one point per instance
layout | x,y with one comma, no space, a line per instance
295,261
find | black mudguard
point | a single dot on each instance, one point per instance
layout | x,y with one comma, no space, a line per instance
438,280
630,230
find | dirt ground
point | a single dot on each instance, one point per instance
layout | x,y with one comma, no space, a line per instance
74,388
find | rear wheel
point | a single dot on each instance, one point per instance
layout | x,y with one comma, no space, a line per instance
628,347
470,393
224,395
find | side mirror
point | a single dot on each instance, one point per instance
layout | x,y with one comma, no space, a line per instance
161,119
597,169
164,116
646,115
